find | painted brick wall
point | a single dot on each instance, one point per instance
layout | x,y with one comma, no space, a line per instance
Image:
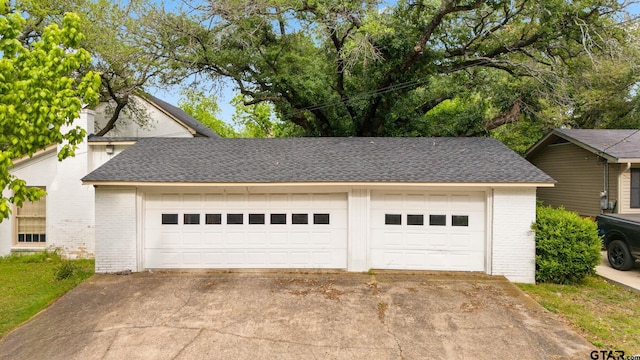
115,229
70,209
514,210
358,259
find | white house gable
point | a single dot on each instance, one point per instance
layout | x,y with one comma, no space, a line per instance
65,218
157,124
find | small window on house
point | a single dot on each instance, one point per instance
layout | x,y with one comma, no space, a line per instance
392,219
213,219
321,219
635,188
235,219
278,219
438,220
415,219
191,219
31,222
300,218
169,219
459,220
256,219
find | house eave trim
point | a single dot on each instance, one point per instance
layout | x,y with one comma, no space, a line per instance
115,142
300,184
36,154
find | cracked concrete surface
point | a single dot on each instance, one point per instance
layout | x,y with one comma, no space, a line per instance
294,315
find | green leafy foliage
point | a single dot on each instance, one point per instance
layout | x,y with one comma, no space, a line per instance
259,121
352,68
205,109
65,270
40,96
567,246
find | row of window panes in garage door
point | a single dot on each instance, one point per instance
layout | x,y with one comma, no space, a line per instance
434,220
238,219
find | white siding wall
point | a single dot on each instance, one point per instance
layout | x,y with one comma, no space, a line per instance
358,243
116,214
624,200
99,155
6,232
513,254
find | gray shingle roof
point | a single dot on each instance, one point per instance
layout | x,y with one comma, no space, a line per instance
421,160
619,144
181,115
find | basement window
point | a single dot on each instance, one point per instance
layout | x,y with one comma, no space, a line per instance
169,219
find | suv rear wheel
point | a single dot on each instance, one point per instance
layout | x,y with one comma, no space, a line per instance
619,255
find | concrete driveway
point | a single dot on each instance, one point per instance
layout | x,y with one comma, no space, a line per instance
294,315
629,279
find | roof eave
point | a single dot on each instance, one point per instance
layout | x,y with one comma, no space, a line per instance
626,160
547,138
336,183
37,154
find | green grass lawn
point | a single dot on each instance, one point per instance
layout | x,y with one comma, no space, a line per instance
30,283
605,314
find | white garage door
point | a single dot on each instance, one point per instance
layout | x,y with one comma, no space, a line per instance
428,231
245,231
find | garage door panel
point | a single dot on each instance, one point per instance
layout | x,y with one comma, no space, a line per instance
245,245
170,201
278,259
255,237
169,239
321,257
212,257
192,239
192,258
278,238
415,239
430,246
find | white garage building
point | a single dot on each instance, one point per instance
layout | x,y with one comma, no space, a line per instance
462,204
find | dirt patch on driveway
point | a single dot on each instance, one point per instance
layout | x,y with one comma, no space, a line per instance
294,315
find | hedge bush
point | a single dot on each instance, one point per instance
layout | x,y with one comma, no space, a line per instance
567,246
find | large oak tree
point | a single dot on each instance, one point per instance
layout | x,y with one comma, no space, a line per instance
418,67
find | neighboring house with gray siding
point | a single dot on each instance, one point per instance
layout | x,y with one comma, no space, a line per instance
596,170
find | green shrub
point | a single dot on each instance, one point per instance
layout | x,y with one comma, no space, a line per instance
567,246
65,270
